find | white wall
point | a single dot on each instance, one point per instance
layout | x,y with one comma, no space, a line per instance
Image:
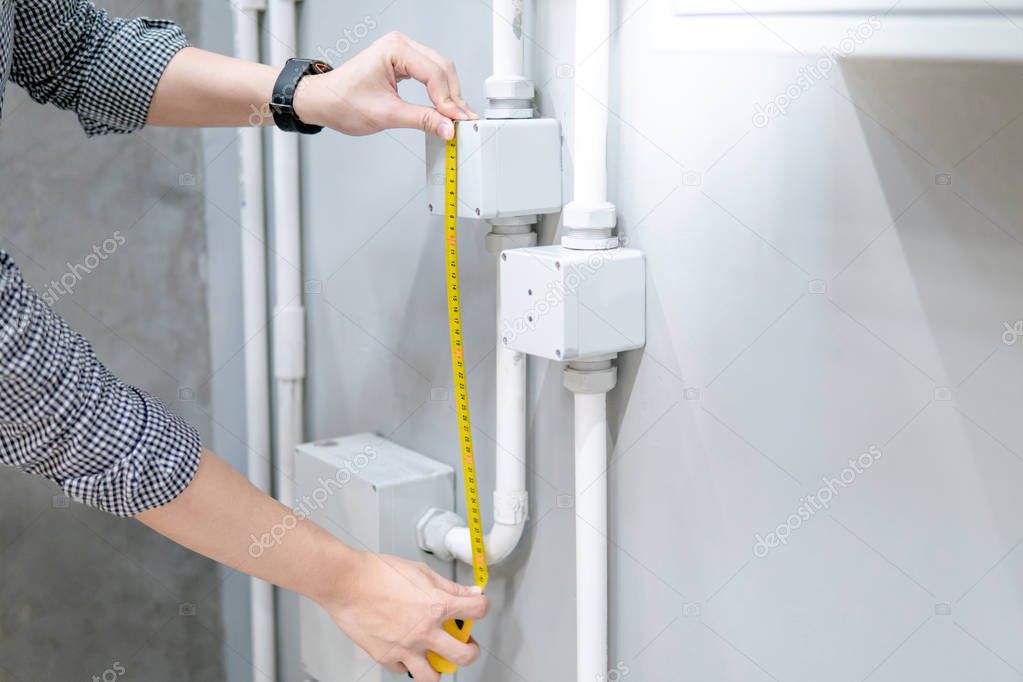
814,291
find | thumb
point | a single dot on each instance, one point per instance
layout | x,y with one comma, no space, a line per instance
471,607
451,587
426,119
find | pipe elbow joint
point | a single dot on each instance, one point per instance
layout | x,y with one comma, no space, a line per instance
445,535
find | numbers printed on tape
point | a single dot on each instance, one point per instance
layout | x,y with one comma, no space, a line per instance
460,629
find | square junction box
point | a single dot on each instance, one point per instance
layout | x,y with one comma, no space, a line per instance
370,493
506,168
567,304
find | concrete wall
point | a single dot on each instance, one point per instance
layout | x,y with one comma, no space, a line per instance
834,281
85,594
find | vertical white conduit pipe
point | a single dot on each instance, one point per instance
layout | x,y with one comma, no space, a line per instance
511,501
591,536
509,55
589,217
289,315
593,27
254,303
589,220
509,90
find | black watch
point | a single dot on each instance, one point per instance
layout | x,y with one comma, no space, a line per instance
282,102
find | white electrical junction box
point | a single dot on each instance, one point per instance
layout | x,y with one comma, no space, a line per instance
506,168
568,304
369,492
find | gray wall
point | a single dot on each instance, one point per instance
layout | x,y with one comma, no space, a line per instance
85,594
811,283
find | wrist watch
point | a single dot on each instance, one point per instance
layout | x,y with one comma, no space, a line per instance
282,102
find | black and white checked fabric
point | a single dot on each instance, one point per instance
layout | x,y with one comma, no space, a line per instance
63,415
71,54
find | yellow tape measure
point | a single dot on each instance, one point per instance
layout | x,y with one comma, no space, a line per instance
458,629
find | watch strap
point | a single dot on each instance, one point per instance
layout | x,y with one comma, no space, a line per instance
282,102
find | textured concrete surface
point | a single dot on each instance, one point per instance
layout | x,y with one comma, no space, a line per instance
83,594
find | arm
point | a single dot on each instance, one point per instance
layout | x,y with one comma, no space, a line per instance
64,416
73,55
392,608
118,74
360,97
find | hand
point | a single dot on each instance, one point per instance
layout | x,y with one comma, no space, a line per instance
394,609
360,97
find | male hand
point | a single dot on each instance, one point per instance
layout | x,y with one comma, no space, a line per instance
360,97
395,610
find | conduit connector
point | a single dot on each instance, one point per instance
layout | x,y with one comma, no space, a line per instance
591,376
433,527
509,97
590,227
510,233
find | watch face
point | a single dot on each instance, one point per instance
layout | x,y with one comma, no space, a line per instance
281,108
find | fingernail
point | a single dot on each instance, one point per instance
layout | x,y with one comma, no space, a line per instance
476,589
447,130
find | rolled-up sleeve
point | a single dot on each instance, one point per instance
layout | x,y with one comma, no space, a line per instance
105,69
64,416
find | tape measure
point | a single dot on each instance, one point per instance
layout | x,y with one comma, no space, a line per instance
460,629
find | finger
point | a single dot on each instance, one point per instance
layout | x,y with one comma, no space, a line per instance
395,668
449,586
472,607
454,85
421,670
450,648
409,61
423,118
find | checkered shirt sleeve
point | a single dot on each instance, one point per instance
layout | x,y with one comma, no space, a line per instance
71,54
64,416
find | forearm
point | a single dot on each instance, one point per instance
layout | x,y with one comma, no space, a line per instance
205,89
360,97
219,514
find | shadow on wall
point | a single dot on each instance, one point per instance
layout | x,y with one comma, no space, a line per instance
941,286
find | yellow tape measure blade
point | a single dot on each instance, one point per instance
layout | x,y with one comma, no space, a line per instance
460,629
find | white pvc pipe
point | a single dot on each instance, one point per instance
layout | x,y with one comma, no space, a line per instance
509,55
591,536
289,315
511,501
511,420
592,69
254,304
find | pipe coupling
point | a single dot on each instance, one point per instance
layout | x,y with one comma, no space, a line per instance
289,342
511,508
